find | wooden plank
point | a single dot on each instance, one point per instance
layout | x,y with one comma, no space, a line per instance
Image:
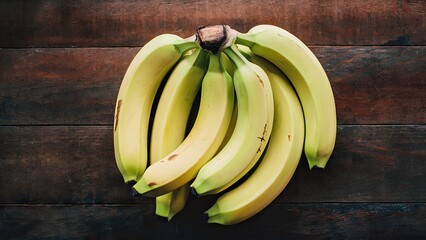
369,163
372,85
294,221
60,164
75,164
377,85
61,86
132,23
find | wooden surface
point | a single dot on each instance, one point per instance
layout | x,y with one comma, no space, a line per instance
61,64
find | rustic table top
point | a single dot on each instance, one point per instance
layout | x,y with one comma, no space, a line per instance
61,65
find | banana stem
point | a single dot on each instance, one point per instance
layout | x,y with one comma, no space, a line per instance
245,39
185,45
236,57
202,60
214,63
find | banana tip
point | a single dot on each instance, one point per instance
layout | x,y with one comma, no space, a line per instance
131,182
135,192
205,217
161,219
194,192
316,168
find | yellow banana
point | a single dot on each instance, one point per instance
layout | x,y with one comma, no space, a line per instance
170,121
279,162
213,118
135,99
309,79
252,129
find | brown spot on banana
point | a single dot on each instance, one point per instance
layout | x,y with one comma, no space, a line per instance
289,138
260,80
172,157
151,184
262,138
117,114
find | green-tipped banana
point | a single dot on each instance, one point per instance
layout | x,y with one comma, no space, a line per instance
309,79
169,204
279,162
135,99
252,129
213,118
170,121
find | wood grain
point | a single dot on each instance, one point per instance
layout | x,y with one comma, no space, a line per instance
294,221
60,86
370,163
132,23
45,86
75,164
60,164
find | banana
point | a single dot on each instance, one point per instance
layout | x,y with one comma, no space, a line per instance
231,128
279,162
174,105
309,79
169,204
249,56
213,118
252,129
170,121
135,99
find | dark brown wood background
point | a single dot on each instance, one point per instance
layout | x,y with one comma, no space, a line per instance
61,64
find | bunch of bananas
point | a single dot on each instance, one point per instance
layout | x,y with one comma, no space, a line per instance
258,100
